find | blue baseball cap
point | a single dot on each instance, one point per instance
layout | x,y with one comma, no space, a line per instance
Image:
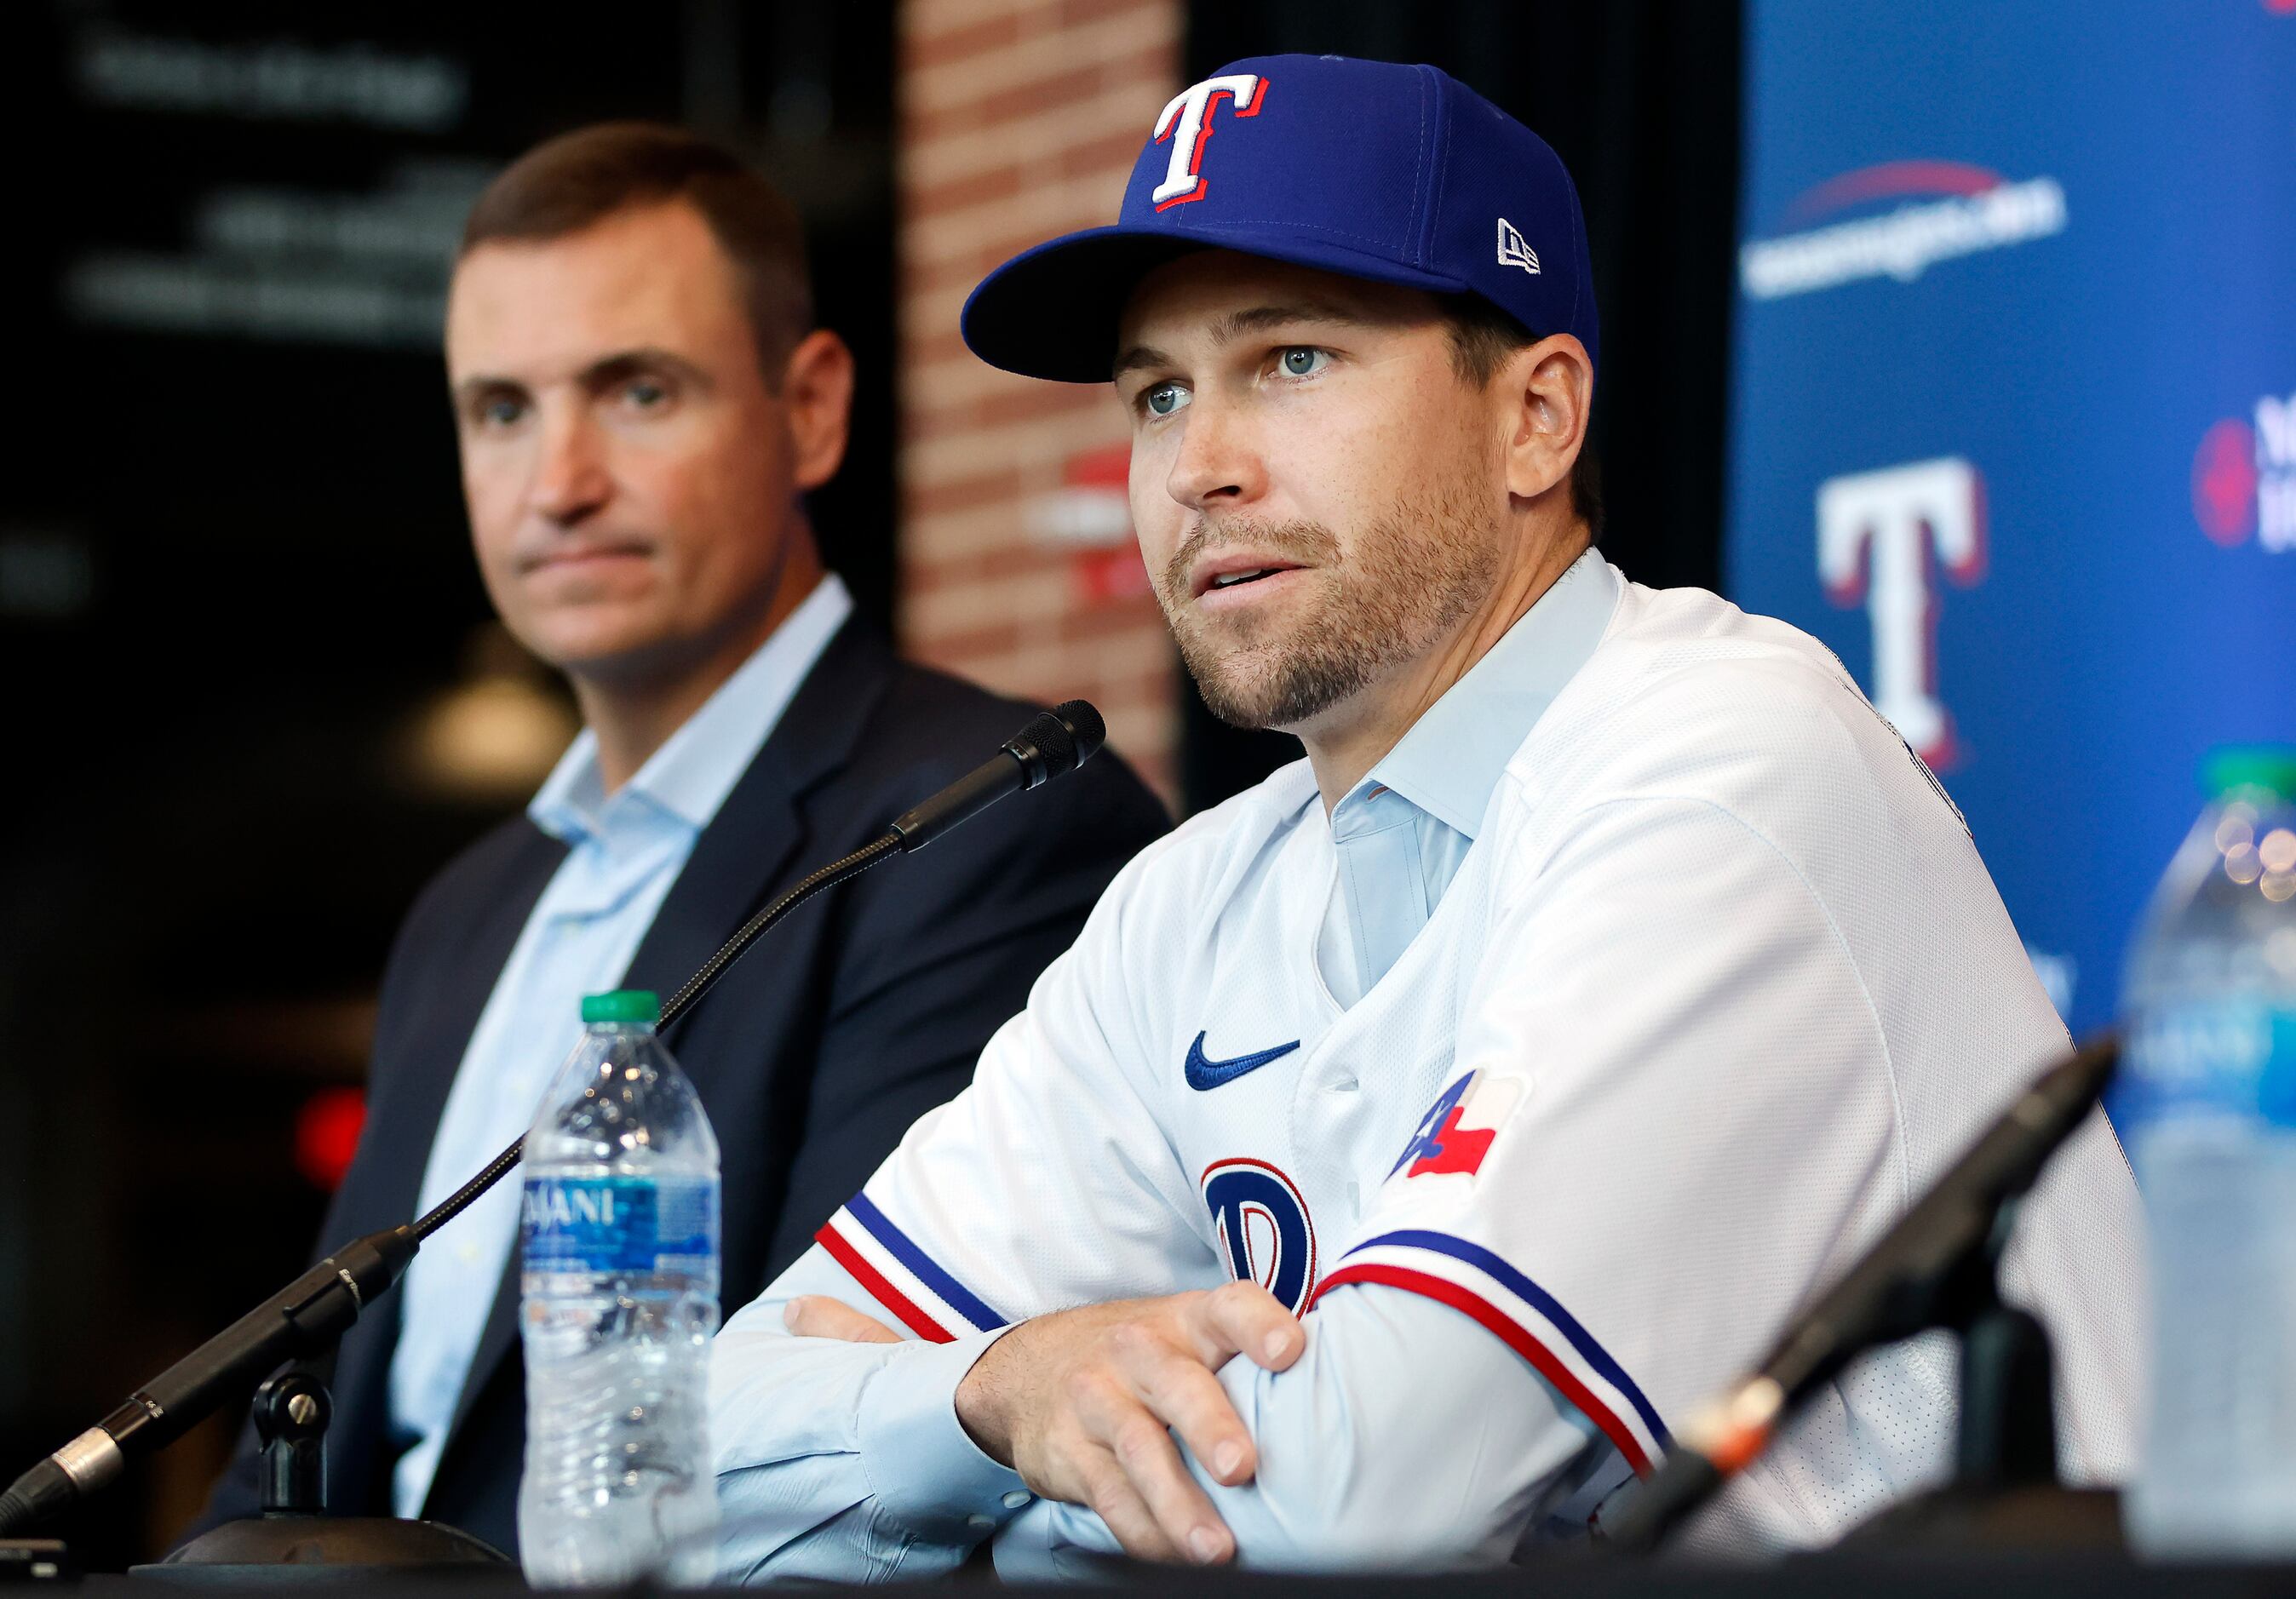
1398,173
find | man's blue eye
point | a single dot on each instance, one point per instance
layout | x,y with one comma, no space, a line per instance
1301,362
646,393
501,411
1165,399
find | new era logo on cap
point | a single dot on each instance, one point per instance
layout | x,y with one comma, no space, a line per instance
1513,250
1369,169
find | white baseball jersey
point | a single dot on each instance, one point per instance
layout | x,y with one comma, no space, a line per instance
1719,988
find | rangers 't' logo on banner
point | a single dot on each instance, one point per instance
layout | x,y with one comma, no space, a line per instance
1187,122
1877,532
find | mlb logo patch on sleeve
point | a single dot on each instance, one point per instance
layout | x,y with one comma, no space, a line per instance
1455,1134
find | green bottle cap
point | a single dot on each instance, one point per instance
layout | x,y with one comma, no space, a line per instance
2271,768
623,1005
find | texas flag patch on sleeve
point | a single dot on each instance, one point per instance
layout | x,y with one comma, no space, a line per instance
1455,1134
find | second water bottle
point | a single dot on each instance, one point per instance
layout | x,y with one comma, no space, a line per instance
618,1302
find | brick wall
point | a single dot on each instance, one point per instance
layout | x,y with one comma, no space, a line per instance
1020,120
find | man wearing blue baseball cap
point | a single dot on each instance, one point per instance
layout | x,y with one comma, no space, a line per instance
1408,1144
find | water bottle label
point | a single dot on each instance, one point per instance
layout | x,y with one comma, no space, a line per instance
2227,1060
620,1224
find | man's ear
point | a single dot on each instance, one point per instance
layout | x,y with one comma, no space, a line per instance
817,387
1549,387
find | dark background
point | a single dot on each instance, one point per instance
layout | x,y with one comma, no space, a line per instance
237,608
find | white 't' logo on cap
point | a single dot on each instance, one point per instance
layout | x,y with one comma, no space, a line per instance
1187,122
1514,250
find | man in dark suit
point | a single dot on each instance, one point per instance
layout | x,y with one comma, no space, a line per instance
641,401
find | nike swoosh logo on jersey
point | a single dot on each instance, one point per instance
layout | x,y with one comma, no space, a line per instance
1203,1073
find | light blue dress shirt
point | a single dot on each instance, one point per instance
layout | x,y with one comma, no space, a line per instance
1401,833
920,1492
624,851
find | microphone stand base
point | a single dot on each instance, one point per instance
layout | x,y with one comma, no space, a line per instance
298,1549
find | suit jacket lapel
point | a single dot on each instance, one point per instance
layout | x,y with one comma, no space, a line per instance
448,993
750,849
424,1061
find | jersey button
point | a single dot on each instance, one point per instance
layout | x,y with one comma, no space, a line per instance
1345,1083
981,1523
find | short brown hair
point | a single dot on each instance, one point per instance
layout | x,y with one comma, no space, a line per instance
580,178
1482,337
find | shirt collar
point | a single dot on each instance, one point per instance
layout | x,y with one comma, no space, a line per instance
1451,761
688,778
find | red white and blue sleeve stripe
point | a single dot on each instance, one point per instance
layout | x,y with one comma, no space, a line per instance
906,1280
1525,1318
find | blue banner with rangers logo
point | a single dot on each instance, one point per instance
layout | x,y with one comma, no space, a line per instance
2014,411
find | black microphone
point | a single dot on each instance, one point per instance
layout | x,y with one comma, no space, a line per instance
1907,1283
318,1307
299,1319
1056,742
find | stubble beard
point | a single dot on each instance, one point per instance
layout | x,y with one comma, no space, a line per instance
1415,571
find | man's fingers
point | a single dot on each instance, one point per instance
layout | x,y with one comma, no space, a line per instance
1243,1318
1152,1465
1187,1396
817,1315
1143,1449
1112,1384
1111,1496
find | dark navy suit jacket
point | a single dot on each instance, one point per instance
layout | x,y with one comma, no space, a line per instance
812,1054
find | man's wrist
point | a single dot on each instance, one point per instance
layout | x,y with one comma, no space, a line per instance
923,1467
979,1400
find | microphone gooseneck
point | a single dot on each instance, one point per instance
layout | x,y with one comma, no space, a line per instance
319,1306
1053,742
676,1006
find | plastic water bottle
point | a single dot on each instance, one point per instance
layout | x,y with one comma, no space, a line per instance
2206,1104
620,1299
